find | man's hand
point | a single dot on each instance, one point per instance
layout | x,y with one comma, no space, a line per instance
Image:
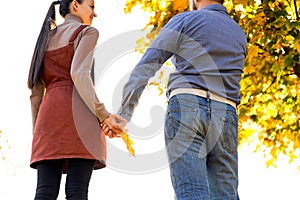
113,126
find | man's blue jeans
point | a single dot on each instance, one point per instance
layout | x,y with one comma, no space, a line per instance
201,141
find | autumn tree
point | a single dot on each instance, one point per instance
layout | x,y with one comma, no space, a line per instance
270,89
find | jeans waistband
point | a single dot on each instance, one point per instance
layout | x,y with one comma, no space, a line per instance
202,93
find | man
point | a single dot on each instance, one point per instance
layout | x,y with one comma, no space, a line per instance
208,50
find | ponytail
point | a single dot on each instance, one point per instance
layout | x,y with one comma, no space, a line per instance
36,66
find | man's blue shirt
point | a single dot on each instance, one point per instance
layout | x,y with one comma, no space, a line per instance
208,49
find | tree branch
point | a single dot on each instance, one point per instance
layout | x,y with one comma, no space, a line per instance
274,80
296,10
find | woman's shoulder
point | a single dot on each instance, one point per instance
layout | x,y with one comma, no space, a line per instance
90,30
72,26
88,33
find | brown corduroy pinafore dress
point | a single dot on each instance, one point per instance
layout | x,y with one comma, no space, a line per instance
65,127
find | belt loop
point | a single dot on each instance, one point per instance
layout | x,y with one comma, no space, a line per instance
208,95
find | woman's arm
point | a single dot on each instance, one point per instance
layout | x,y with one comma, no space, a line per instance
37,93
81,72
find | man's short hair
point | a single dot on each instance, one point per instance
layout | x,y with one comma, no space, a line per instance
219,1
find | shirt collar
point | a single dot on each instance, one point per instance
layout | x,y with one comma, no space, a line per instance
72,17
216,7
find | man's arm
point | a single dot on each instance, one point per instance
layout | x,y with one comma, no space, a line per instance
161,49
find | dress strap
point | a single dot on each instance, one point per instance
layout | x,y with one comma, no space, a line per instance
75,34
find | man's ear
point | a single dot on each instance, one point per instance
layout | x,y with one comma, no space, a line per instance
197,1
193,4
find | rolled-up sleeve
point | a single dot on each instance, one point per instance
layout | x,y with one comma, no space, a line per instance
81,72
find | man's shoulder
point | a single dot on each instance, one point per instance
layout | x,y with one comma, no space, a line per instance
186,14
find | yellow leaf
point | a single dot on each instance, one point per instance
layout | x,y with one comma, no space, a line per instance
128,142
157,84
180,4
297,45
242,2
228,5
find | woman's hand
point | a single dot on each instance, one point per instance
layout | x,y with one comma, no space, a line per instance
113,126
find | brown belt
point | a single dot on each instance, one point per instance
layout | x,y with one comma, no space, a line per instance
202,93
60,84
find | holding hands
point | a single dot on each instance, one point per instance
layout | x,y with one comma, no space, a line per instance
113,126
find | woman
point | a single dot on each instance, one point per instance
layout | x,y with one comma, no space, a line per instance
66,112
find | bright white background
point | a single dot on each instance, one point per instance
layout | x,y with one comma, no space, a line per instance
21,22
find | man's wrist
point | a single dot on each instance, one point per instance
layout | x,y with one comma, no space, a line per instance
126,116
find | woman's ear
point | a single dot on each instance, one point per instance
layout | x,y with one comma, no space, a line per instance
74,5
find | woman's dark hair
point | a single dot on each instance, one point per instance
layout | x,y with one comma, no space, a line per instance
64,7
37,65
